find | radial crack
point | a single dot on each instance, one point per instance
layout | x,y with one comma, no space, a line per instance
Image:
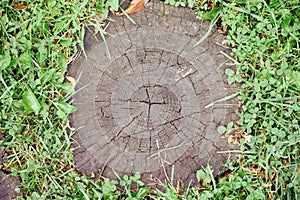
121,130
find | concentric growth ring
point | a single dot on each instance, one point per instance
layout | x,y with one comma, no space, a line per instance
141,106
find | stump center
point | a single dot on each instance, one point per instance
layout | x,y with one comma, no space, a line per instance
154,106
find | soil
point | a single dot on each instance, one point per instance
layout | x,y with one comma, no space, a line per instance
141,102
7,182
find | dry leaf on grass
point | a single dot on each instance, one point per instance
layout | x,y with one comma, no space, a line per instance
232,139
255,171
71,80
20,6
134,6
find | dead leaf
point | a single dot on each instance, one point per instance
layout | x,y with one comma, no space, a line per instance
134,6
222,31
20,6
71,80
250,170
230,139
248,138
112,10
25,133
200,188
96,31
261,172
255,171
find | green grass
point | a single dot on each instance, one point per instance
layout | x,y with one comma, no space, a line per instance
38,40
37,43
265,40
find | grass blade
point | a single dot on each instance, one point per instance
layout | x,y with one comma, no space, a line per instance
222,99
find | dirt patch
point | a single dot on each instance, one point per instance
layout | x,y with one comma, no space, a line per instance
7,182
141,104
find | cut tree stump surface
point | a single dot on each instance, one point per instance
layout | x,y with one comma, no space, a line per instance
141,106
